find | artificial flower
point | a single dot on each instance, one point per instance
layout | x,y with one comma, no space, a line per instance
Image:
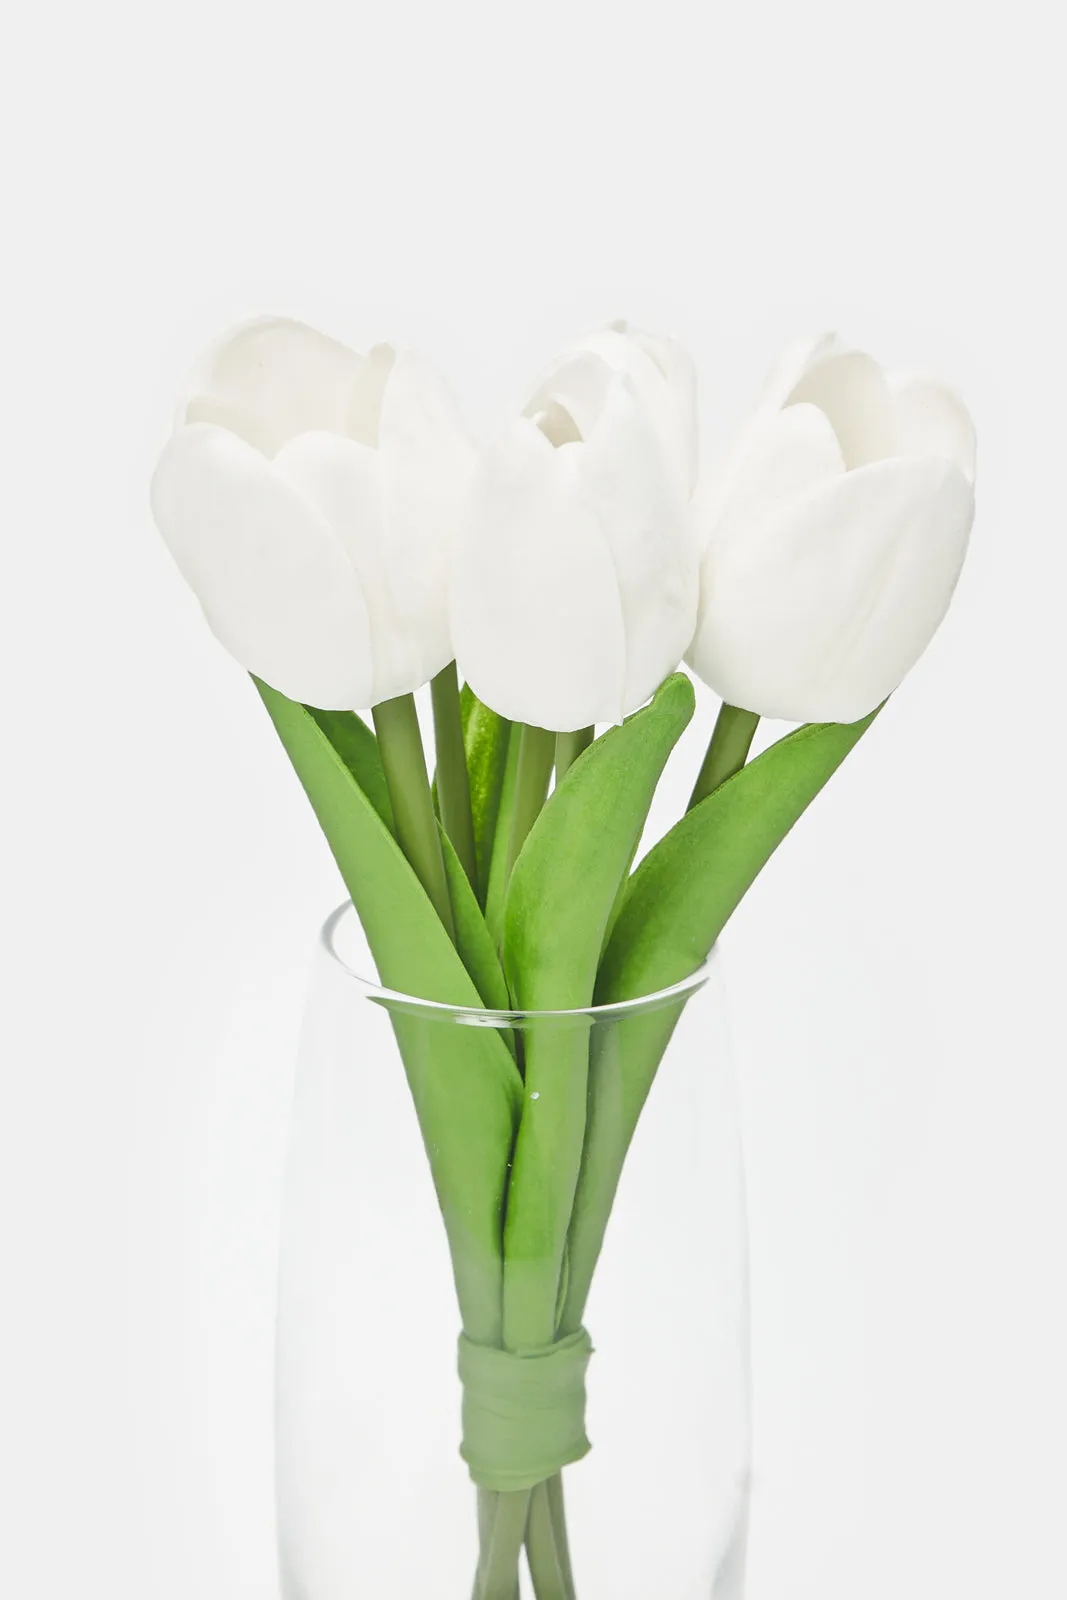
308,495
833,536
574,587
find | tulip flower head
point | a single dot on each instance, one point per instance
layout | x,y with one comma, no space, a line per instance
309,496
833,536
574,588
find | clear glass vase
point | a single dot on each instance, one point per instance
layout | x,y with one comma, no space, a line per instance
375,1501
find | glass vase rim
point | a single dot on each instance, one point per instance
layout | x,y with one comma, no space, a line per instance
492,1016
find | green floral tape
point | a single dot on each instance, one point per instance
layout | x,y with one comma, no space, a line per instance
523,1411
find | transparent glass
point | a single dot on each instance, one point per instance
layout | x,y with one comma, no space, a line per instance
374,1500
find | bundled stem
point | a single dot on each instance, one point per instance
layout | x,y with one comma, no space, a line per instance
548,1176
731,741
396,723
453,779
533,1518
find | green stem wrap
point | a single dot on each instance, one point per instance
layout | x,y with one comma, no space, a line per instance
523,1411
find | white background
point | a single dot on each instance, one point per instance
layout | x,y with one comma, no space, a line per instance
486,180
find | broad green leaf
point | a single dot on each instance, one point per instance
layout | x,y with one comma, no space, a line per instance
687,887
564,883
357,746
563,887
676,905
473,939
466,1087
486,737
620,896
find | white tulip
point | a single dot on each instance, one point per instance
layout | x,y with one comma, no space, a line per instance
308,495
834,536
574,588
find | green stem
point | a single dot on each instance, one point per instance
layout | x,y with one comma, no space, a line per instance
396,723
486,1513
728,750
498,1568
559,1522
453,779
542,1549
496,886
569,747
537,755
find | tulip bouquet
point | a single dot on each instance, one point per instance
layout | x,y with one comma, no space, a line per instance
349,544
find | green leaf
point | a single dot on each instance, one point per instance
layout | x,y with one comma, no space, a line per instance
486,737
563,887
564,883
624,1058
473,939
676,905
687,887
357,746
466,1087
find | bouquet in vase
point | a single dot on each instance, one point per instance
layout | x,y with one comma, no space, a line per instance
349,544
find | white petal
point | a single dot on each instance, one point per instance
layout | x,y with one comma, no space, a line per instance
817,611
791,366
574,382
679,369
778,455
428,462
576,385
752,440
781,456
930,419
365,400
670,408
270,379
851,389
342,479
399,553
536,620
275,585
557,423
624,480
